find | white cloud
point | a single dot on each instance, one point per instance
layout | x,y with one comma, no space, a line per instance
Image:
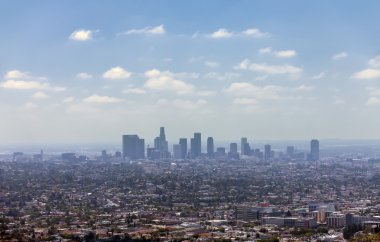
134,91
243,65
304,88
268,69
340,56
157,30
221,34
212,64
280,53
245,101
275,69
374,91
182,103
373,101
101,99
84,75
68,100
81,35
374,62
195,35
222,76
165,81
319,76
23,85
248,89
367,74
255,33
285,53
30,105
116,73
40,95
16,74
265,50
245,89
206,93
196,59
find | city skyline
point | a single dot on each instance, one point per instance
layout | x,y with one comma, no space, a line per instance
234,69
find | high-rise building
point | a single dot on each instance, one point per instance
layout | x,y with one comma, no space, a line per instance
133,147
233,148
314,150
183,143
210,147
242,145
233,154
247,149
290,151
196,145
161,144
177,151
267,152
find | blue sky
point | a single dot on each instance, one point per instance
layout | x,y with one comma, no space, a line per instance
93,70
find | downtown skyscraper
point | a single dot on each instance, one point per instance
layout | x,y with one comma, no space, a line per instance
133,147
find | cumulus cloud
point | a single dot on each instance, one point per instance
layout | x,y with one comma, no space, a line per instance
280,53
117,73
134,91
245,101
222,76
182,103
255,33
166,81
319,76
101,99
40,95
373,101
221,34
23,85
285,53
212,64
367,74
206,93
372,72
268,69
84,75
81,35
340,56
248,89
265,50
157,30
68,100
304,88
245,90
16,74
374,62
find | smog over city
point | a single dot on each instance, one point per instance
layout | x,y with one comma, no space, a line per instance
209,120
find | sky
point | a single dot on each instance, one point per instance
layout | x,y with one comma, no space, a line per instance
90,71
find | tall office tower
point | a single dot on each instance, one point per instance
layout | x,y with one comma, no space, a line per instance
210,147
177,151
290,151
196,145
247,149
267,152
242,146
133,147
160,142
183,143
233,148
314,150
233,154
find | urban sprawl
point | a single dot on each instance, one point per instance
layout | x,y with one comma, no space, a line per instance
190,194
